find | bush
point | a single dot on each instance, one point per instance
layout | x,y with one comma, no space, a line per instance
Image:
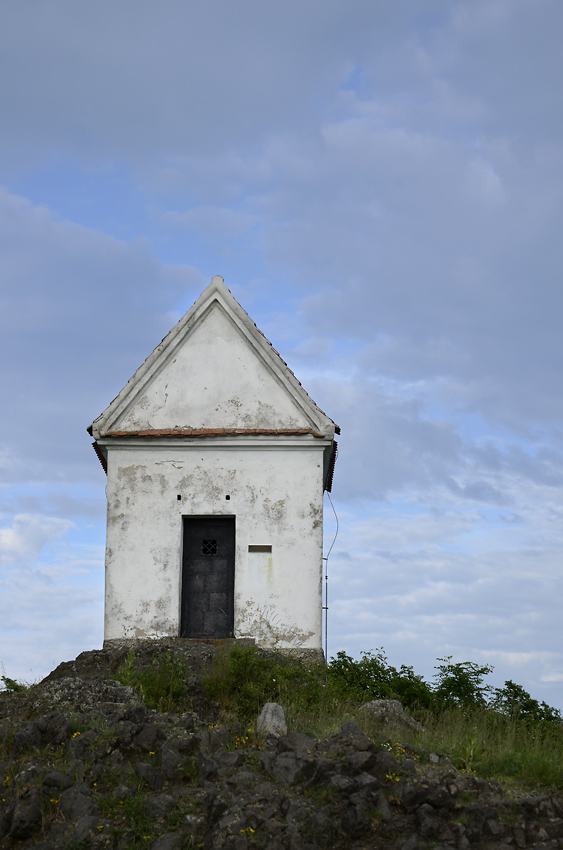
461,683
161,684
242,680
12,685
517,703
372,677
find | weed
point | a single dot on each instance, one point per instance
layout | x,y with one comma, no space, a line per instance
161,684
129,818
12,685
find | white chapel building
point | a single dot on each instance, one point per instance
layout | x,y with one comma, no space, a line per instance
216,462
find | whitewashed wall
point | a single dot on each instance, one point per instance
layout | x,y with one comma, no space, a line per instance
276,496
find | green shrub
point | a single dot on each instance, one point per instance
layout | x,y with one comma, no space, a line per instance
243,679
461,683
372,677
517,703
12,685
161,684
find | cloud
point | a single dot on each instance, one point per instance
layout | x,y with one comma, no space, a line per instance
28,535
79,313
380,183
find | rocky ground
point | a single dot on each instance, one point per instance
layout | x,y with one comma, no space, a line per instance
84,764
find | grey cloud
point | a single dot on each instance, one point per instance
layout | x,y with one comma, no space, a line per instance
128,80
80,312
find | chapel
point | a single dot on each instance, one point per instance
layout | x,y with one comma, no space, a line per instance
216,461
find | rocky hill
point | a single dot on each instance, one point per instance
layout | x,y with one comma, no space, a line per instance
85,764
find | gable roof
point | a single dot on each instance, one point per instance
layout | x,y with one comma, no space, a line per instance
214,373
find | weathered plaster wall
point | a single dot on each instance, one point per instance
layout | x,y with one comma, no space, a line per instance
276,496
216,379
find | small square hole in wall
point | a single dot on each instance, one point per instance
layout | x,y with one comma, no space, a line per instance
179,497
208,547
256,548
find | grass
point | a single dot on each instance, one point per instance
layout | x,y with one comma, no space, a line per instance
481,740
502,734
160,684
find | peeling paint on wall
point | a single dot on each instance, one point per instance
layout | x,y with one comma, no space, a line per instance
273,495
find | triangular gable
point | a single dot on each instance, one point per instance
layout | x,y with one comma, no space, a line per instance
214,372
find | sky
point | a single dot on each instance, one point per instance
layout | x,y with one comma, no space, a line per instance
380,185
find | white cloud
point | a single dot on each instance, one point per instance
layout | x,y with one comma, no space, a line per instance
24,540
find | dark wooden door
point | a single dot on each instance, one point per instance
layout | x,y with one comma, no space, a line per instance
208,577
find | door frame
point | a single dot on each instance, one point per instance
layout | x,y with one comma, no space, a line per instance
183,536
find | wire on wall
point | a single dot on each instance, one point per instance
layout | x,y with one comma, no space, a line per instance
325,606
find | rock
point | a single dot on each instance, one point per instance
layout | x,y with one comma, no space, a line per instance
159,805
355,821
349,739
154,777
149,738
26,739
391,712
57,781
27,815
170,760
86,695
74,804
322,830
222,789
168,841
206,767
272,721
296,742
84,826
54,728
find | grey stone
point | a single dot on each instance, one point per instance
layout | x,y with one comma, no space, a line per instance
27,739
350,738
355,821
193,822
54,728
288,769
74,804
382,808
321,829
27,815
171,760
229,761
272,721
206,767
149,738
84,826
168,841
298,743
57,780
211,740
244,778
85,695
153,777
391,712
159,805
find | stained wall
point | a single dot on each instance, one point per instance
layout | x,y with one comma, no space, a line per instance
276,496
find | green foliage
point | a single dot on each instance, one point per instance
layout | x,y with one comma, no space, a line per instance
12,685
495,746
461,683
372,677
517,703
501,733
130,817
242,680
161,684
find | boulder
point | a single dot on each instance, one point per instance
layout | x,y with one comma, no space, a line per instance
272,721
391,712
